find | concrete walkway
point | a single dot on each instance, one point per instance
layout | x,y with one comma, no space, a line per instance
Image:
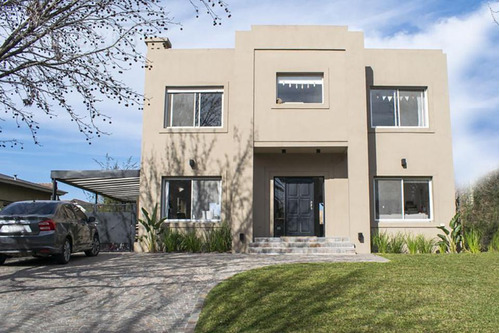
130,292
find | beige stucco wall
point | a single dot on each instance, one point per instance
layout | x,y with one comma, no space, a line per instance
340,121
246,152
225,153
427,150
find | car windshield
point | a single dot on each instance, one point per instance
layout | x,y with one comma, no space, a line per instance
30,208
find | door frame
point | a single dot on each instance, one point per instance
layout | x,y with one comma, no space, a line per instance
318,196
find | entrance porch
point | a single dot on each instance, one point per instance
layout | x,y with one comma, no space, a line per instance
300,194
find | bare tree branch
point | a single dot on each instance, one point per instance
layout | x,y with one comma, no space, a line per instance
54,50
494,14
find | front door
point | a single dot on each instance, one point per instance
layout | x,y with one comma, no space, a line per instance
299,211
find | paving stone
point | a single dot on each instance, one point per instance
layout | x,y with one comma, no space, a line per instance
127,292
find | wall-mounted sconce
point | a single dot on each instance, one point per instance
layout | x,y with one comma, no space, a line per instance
361,237
283,151
403,163
192,163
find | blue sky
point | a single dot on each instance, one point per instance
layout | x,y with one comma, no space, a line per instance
463,29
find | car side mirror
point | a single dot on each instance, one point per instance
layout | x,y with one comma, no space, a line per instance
91,219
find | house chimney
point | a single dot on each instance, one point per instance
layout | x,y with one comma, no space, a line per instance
158,42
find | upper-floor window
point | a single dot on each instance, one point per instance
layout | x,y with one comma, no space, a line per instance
299,88
190,107
398,107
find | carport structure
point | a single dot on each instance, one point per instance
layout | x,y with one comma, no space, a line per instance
121,185
117,221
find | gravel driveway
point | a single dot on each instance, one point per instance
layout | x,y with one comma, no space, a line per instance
129,292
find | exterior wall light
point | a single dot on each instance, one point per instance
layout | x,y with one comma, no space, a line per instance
192,163
361,237
403,163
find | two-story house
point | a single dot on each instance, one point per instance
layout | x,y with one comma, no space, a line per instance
298,131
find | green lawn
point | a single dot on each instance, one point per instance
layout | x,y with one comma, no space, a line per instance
416,293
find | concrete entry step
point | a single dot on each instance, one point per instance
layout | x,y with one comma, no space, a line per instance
302,245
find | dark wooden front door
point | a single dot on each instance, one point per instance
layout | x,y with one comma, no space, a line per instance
299,211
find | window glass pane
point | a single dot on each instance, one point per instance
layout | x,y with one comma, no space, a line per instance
206,200
411,108
388,199
168,107
182,109
382,107
416,199
279,198
299,88
210,109
179,199
30,208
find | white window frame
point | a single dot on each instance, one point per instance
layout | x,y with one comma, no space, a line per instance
304,74
165,196
194,91
402,179
397,114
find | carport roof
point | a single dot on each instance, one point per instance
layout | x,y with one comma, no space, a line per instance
122,185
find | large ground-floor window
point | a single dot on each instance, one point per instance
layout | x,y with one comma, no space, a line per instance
195,199
403,199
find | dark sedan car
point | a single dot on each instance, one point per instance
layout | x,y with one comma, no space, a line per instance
46,228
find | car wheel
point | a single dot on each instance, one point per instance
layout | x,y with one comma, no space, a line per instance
65,255
2,259
96,247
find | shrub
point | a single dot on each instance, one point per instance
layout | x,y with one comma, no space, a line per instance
493,246
218,239
412,244
443,248
452,240
153,227
397,243
191,242
172,241
425,245
478,207
380,242
472,240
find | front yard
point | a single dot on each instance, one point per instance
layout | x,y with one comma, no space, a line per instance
417,293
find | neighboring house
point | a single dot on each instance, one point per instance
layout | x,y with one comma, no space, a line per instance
298,131
15,189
